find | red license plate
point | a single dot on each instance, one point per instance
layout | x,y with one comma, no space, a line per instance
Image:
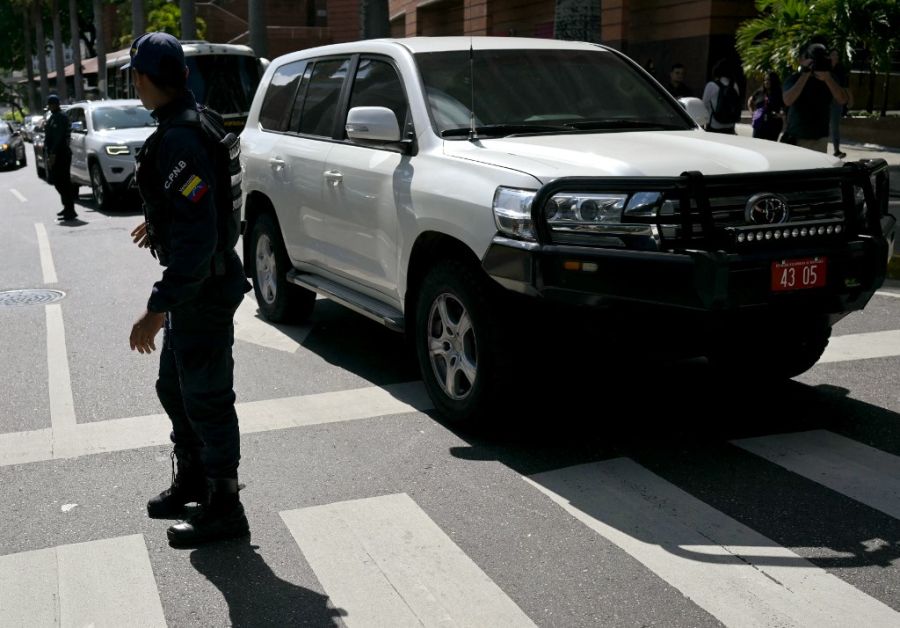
799,274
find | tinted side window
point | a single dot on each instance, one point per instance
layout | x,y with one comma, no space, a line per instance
280,95
376,84
322,94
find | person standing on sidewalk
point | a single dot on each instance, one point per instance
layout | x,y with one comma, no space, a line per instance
837,110
59,157
192,226
809,94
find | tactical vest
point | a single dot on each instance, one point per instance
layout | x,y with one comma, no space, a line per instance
226,150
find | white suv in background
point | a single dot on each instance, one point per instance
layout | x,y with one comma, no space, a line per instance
106,136
482,193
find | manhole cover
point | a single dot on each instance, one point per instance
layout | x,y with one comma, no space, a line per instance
15,298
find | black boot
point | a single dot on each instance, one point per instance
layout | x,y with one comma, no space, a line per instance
223,518
188,485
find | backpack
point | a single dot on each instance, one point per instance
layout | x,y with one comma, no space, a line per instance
728,105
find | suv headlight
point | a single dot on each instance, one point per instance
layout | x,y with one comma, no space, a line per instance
600,213
117,149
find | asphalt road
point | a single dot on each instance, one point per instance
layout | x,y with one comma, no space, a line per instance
639,495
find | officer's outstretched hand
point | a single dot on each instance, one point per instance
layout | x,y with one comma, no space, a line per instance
139,236
144,331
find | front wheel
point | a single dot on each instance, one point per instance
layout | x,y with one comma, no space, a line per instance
100,189
458,343
279,300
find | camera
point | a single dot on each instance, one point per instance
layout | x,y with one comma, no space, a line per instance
820,57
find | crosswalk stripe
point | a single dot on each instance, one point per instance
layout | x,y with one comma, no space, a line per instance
736,574
863,473
248,327
385,562
70,441
878,344
107,583
62,405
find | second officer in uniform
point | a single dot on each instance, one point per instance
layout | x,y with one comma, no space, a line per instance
191,206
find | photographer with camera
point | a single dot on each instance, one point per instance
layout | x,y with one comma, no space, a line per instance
808,94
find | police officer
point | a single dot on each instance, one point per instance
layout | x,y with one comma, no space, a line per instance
190,229
59,156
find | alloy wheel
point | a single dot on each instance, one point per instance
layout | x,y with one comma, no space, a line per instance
452,347
266,269
97,185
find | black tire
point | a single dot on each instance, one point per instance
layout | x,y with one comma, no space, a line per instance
278,300
462,368
784,352
103,196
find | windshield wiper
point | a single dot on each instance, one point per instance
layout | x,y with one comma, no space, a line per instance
622,123
507,129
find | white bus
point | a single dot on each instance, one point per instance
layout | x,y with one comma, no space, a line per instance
222,76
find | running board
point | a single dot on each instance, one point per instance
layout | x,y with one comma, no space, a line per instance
388,316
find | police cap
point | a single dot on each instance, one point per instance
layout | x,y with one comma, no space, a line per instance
158,55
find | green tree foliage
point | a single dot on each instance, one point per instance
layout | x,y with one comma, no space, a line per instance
162,16
773,40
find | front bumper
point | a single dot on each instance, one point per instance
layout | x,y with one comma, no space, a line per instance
704,279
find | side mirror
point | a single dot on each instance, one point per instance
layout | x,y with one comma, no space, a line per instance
78,127
696,109
372,124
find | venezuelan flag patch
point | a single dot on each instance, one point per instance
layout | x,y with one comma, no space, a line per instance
194,189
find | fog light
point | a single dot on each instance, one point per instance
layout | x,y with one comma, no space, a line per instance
803,231
777,235
838,228
795,233
741,237
821,230
768,235
829,230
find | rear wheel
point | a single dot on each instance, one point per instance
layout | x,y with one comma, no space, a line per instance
278,300
459,343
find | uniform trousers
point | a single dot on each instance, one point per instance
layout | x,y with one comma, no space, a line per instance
196,385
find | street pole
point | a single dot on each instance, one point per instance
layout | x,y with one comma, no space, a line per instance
138,21
257,17
29,65
375,20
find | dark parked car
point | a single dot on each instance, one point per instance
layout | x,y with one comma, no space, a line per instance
12,147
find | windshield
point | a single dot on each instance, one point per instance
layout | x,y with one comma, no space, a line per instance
124,117
551,90
225,83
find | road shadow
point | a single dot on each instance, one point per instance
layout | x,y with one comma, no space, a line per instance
128,204
78,222
256,597
679,422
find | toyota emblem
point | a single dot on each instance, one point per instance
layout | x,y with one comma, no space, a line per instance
767,209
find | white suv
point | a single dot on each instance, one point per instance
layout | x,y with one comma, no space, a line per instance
106,137
454,188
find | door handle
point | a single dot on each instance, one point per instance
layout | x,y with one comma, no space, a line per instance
277,164
333,177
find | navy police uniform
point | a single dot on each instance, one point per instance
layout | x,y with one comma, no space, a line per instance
202,285
56,143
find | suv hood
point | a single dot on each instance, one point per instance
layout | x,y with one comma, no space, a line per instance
631,154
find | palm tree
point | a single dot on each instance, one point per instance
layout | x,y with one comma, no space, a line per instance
76,50
37,14
29,67
61,88
188,20
100,46
138,18
257,17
